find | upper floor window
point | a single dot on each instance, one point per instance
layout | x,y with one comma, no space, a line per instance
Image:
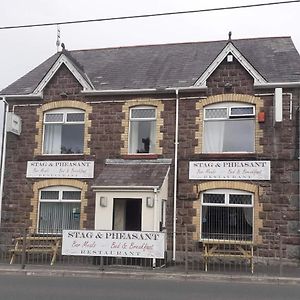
142,131
59,209
229,127
64,131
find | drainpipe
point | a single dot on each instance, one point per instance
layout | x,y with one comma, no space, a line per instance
155,207
3,154
299,169
155,227
291,105
175,175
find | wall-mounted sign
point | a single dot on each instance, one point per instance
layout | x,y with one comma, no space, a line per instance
60,169
113,243
230,170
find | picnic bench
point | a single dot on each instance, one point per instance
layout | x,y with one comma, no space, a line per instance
236,249
36,244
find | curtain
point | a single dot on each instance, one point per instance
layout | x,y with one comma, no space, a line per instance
248,213
213,136
204,214
133,140
57,216
52,139
50,217
152,137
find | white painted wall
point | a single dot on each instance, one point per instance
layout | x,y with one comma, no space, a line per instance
104,215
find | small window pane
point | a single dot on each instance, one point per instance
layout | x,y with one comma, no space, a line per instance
215,113
213,198
143,113
71,195
59,117
236,111
240,199
49,195
75,117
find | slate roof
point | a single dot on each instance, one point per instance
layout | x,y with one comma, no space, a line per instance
132,175
26,84
169,65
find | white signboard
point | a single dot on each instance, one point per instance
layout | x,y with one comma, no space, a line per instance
60,169
114,243
230,170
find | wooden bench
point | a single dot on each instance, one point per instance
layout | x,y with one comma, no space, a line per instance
36,245
228,248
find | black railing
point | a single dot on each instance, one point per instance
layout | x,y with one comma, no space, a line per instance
21,247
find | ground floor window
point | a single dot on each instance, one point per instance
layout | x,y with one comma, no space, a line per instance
227,215
59,209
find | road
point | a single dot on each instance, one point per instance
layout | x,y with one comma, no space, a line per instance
46,288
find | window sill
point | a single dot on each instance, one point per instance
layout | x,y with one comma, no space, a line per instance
61,156
140,156
228,155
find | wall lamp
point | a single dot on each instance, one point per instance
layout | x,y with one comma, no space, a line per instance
103,201
149,202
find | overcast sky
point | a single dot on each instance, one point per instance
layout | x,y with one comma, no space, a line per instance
23,49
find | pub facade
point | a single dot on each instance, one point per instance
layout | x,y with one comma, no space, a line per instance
197,136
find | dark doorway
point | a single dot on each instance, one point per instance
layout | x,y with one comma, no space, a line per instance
127,214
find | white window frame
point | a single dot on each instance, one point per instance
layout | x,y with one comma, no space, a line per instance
227,193
229,117
65,112
60,190
134,119
242,115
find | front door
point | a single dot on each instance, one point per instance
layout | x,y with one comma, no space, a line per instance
127,214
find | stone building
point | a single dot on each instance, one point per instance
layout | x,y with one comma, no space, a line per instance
199,135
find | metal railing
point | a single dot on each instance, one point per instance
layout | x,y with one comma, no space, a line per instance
210,255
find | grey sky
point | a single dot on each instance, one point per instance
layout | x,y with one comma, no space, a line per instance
23,49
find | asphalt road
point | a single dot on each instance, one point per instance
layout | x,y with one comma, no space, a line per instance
46,288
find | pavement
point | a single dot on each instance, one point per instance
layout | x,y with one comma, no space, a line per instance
291,274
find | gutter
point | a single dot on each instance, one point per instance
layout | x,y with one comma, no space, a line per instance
38,96
142,91
272,85
124,188
94,92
